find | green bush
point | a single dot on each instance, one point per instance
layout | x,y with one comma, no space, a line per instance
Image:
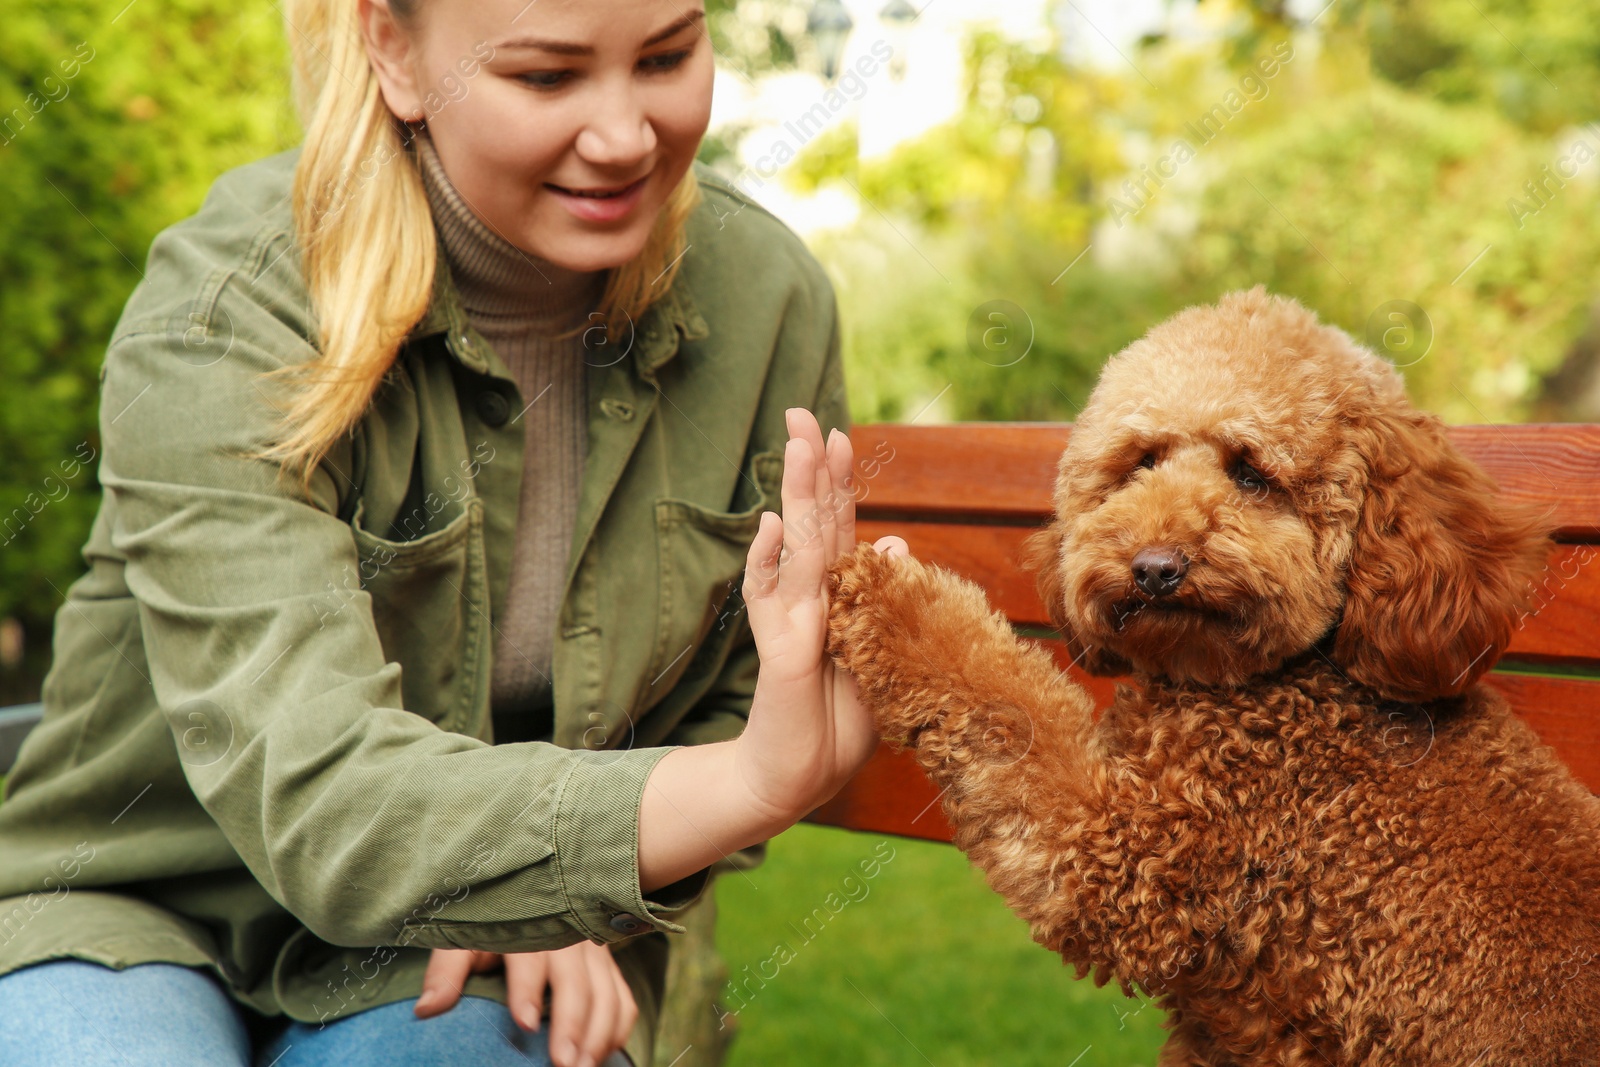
115,119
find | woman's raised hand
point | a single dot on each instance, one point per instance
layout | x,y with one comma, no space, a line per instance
807,732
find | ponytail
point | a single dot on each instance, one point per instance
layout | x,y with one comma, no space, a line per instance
366,235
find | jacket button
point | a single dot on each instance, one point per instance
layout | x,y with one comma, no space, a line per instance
616,409
493,408
628,924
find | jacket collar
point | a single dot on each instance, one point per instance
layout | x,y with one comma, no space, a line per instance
655,337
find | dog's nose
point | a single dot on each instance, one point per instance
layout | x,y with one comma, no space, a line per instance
1159,571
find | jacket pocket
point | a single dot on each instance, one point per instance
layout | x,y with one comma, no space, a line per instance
430,604
701,562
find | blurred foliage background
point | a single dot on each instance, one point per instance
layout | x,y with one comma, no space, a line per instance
1387,162
1423,173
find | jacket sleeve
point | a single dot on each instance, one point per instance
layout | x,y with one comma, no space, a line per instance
723,711
367,822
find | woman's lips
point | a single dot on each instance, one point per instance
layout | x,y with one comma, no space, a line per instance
607,207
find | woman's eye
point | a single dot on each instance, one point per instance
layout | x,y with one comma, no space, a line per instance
546,79
665,61
1248,478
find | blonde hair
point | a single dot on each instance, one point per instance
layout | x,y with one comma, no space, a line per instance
366,235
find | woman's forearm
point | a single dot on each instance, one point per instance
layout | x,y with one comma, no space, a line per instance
696,810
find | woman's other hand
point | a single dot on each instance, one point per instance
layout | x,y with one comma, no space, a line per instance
592,1010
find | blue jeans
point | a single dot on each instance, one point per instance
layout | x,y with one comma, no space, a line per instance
163,1015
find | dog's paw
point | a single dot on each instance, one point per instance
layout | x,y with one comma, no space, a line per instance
879,610
864,589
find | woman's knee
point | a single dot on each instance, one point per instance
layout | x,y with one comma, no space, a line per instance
477,1031
74,1011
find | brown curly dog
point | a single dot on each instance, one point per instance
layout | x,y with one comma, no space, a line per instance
1308,829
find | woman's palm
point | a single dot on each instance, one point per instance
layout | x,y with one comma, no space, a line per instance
808,732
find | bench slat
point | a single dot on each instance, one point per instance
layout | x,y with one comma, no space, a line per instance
999,469
1561,630
890,795
993,471
1566,714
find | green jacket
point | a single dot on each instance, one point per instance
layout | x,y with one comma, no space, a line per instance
266,743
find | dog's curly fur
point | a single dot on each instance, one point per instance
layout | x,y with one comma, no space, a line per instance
1309,829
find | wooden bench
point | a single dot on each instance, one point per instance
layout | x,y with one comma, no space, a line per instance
965,495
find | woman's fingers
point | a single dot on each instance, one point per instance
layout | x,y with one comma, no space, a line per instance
800,571
787,560
760,588
627,1008
443,980
762,559
527,973
891,545
592,1010
831,473
823,516
803,424
841,469
604,1007
570,998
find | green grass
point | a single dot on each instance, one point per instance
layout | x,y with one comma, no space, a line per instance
920,964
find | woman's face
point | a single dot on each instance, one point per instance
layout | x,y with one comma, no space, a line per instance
533,102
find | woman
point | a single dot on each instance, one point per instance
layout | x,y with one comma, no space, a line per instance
433,452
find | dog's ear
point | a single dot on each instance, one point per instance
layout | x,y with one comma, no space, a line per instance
1041,553
1441,570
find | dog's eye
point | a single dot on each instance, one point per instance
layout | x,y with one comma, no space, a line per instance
1148,461
1249,479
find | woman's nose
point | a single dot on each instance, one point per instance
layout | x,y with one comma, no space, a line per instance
618,134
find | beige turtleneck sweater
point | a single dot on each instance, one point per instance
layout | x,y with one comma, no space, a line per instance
519,302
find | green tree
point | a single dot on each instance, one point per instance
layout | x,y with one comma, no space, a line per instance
1532,60
1392,215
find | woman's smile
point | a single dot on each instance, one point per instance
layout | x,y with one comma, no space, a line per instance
600,203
